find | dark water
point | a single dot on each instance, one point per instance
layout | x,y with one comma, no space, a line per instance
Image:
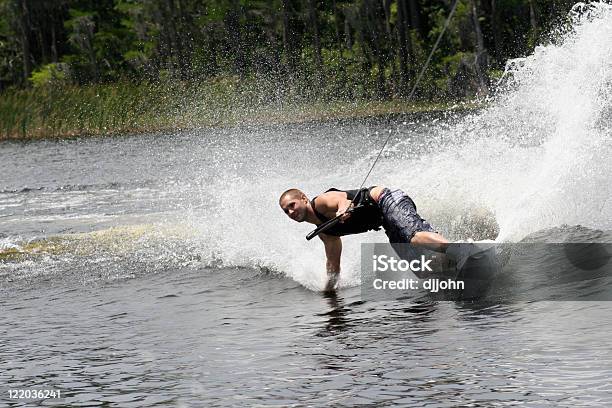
238,337
159,270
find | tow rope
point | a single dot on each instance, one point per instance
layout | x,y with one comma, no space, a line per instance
330,223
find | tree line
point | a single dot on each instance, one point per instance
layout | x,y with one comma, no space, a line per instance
347,48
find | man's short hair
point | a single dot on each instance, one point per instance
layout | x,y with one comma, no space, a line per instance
292,193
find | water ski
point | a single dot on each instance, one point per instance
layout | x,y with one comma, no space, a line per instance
476,264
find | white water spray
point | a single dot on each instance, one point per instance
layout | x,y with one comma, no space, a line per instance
537,157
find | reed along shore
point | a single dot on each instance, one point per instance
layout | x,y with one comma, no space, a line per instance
128,108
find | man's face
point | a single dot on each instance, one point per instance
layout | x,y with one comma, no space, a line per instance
296,208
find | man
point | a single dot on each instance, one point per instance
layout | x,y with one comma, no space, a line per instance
376,206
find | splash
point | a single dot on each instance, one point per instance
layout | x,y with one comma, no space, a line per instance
537,157
107,254
560,98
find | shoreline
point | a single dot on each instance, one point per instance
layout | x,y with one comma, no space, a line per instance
112,110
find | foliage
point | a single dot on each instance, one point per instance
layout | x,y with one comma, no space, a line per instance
289,41
275,52
49,74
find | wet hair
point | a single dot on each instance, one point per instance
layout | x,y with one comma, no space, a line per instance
291,193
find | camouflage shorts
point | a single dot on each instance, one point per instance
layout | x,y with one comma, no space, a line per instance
400,218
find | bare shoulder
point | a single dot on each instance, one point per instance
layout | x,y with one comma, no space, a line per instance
329,201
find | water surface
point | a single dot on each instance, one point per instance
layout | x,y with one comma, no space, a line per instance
158,269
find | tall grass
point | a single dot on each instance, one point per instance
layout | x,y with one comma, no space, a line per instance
61,111
105,109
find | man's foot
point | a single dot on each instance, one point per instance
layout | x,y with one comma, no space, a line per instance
430,240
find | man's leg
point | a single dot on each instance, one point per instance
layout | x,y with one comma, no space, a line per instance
430,240
402,220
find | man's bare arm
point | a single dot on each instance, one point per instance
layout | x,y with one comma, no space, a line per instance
334,203
333,252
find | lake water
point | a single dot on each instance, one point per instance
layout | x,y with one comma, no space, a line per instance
158,269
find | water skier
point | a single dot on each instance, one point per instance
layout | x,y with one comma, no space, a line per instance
358,211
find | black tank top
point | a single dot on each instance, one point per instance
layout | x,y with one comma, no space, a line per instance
365,218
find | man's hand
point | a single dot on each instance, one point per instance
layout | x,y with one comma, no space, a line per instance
332,280
342,210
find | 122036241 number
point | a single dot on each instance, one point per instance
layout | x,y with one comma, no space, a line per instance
34,394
